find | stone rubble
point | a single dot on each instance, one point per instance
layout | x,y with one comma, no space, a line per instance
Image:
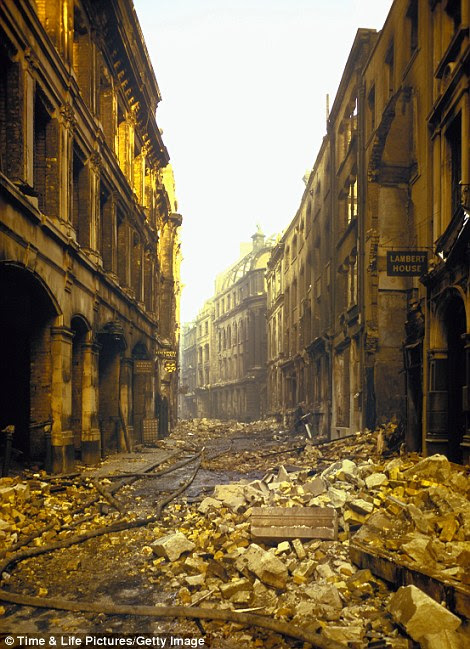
414,510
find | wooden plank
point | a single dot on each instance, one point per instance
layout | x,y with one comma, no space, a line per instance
274,524
455,594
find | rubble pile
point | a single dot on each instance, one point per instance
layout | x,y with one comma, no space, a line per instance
416,508
424,520
206,551
29,505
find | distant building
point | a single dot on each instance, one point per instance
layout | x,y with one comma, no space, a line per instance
188,372
231,340
206,370
89,251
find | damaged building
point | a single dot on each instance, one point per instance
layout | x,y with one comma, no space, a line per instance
89,251
368,290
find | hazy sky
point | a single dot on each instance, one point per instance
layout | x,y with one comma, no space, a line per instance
243,112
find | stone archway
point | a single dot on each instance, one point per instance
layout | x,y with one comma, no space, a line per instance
112,343
447,372
28,313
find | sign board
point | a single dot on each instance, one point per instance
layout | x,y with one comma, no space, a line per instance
149,431
167,354
144,367
406,263
170,366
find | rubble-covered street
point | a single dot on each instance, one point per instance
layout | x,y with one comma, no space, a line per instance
244,535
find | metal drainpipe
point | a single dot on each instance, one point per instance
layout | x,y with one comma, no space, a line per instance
48,444
8,431
331,315
362,180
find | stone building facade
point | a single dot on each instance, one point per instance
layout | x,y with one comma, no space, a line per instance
205,344
188,372
386,340
230,333
417,174
313,277
89,252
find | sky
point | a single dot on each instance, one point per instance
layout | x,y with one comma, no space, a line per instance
243,113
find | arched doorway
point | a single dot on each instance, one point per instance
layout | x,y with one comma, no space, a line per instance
112,344
455,326
446,415
28,312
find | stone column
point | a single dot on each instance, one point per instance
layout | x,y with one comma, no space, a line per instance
126,403
66,128
109,234
63,451
27,114
90,447
95,216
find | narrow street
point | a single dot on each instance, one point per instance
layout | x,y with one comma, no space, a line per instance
111,549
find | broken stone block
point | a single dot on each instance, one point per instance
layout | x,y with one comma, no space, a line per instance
436,467
324,570
195,580
420,521
22,491
4,525
315,487
307,567
299,549
331,470
265,597
361,506
325,594
419,614
235,586
231,495
449,528
172,546
268,568
348,471
444,640
418,550
376,480
207,504
272,524
7,494
283,547
343,634
337,497
282,475
195,565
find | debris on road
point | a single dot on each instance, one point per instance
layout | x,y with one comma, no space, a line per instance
249,545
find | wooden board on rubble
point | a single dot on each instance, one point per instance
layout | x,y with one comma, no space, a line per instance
274,524
455,594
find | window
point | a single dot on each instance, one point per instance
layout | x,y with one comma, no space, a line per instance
45,161
412,15
371,107
352,200
80,202
82,55
389,70
454,10
454,142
